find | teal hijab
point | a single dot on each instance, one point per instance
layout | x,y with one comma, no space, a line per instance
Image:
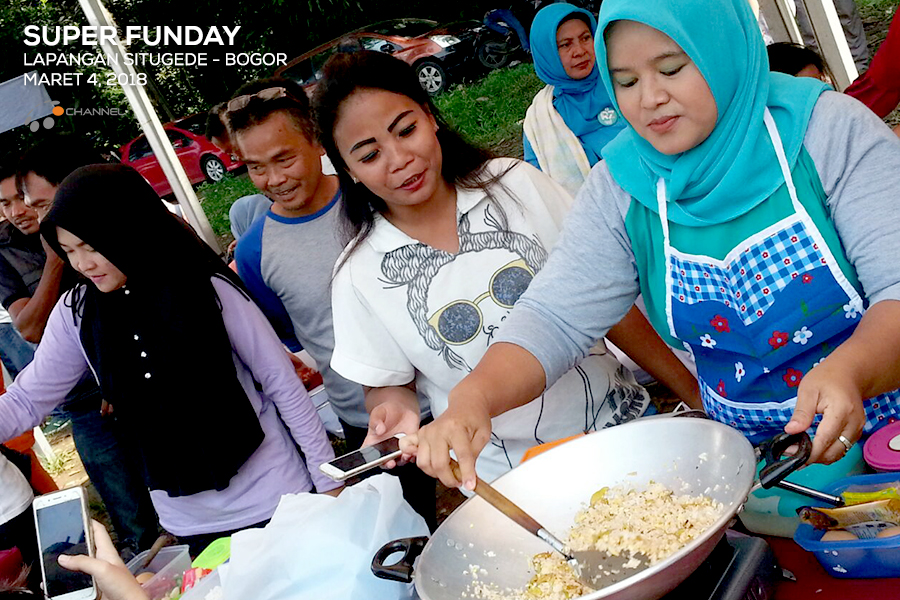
578,101
735,168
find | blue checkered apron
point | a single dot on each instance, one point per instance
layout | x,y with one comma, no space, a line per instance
759,319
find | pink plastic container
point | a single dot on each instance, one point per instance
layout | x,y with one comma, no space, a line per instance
882,449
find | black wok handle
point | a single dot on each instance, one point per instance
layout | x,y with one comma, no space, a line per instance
777,468
402,570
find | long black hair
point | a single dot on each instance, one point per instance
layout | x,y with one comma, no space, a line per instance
158,345
464,164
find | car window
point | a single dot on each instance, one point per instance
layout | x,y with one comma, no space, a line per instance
195,124
377,44
178,140
139,149
301,72
318,62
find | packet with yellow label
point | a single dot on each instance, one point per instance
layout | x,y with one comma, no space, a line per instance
865,520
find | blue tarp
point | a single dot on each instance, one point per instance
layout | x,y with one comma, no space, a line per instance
22,103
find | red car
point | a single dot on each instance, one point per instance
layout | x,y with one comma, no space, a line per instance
436,52
201,160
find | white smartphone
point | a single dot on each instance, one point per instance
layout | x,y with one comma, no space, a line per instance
63,527
359,461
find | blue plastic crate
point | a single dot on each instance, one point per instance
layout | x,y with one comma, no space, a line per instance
857,559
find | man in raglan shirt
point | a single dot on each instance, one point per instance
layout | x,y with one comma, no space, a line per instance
286,258
245,209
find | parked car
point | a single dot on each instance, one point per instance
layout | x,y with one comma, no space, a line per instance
201,160
438,53
195,123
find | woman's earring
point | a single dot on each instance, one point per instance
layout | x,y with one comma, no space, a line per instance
354,178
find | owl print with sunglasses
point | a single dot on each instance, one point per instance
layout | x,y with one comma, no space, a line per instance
449,324
460,321
458,303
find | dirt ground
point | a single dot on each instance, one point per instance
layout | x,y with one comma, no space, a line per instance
74,474
876,21
64,445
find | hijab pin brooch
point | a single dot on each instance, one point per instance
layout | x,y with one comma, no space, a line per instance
608,116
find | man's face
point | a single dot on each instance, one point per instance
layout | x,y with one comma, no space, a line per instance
39,194
13,208
283,163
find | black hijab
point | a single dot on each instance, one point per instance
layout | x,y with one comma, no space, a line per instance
158,345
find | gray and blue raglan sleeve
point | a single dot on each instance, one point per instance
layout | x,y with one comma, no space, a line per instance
248,256
587,285
858,161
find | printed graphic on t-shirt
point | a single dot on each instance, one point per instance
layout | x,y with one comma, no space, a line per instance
458,302
448,324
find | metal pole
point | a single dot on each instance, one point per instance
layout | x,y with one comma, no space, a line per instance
150,124
832,42
780,19
42,447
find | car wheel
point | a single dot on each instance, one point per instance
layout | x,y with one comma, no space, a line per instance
213,168
494,55
432,77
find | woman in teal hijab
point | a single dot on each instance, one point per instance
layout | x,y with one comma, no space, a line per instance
754,211
735,168
572,118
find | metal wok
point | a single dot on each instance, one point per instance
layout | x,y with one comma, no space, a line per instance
694,456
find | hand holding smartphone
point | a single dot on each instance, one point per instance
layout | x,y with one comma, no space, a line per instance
63,527
360,461
114,580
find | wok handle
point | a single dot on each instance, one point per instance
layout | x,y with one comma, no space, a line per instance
811,493
500,502
402,570
777,468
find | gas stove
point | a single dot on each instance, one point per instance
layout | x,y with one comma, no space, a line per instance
740,568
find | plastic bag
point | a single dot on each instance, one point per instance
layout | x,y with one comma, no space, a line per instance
321,547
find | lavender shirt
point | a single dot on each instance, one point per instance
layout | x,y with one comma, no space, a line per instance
273,470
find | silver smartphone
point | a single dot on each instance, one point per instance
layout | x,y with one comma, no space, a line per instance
359,461
63,527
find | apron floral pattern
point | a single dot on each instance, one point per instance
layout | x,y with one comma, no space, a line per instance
758,320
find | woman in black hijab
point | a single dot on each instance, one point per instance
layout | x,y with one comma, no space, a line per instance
193,369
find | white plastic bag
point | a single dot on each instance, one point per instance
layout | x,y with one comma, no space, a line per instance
321,547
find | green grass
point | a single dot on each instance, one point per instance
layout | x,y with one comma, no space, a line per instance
490,111
216,199
882,5
59,463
